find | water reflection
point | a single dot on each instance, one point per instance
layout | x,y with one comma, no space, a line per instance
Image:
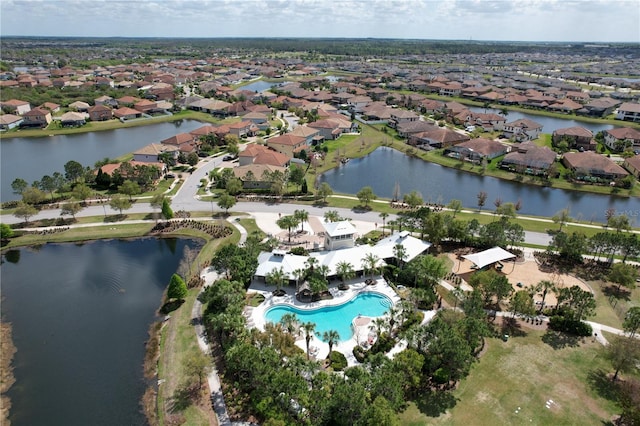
80,316
386,167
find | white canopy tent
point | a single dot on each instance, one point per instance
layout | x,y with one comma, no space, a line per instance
489,256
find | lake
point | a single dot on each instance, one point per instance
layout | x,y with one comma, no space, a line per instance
385,166
80,315
550,124
32,158
261,85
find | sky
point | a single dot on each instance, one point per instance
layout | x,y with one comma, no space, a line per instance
510,20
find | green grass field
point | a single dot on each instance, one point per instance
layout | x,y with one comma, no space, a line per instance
513,380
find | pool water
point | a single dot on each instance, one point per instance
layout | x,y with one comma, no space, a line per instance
338,317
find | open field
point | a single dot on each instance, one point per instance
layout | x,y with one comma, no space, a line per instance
513,381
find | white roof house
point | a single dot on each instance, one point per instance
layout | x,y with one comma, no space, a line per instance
339,235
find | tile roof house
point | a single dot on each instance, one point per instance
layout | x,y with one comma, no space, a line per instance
633,165
588,164
306,132
577,137
152,153
477,149
405,130
10,121
36,118
16,106
401,116
50,106
260,154
439,137
73,119
253,175
619,138
628,111
288,144
100,113
601,107
126,113
529,158
522,130
243,129
79,106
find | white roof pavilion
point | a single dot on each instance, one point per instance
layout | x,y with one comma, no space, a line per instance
489,256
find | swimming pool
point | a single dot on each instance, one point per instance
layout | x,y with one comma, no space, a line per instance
337,317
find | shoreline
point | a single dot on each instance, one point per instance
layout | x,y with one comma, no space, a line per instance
7,379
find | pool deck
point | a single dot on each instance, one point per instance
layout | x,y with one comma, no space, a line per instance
320,349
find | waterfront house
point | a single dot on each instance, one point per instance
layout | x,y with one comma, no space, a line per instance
126,113
632,164
476,150
601,107
529,158
623,137
73,119
154,152
628,111
100,113
36,117
439,137
522,130
577,137
10,121
405,130
589,165
308,133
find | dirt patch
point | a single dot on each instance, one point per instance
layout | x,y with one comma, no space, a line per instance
6,370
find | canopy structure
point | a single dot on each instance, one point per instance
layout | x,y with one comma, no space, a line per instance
489,256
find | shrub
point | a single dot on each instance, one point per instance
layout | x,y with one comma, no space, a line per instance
338,361
413,318
570,326
300,251
359,353
383,345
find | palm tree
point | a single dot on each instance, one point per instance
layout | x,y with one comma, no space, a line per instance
276,277
544,286
371,261
302,216
309,328
289,322
384,216
287,222
400,253
299,274
331,337
311,263
331,216
345,271
379,325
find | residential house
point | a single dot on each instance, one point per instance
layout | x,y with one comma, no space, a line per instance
628,112
10,121
439,137
185,142
476,150
529,158
601,107
329,129
126,113
288,144
401,116
260,119
254,176
311,136
623,137
79,106
522,130
590,166
243,129
100,113
36,118
51,107
146,106
577,137
357,103
632,164
154,152
73,119
260,154
16,106
128,101
405,130
106,100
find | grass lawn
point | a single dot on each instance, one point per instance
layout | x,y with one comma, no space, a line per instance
611,311
178,340
513,381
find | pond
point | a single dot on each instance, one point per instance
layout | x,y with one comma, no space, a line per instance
80,314
32,158
549,124
385,167
261,85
